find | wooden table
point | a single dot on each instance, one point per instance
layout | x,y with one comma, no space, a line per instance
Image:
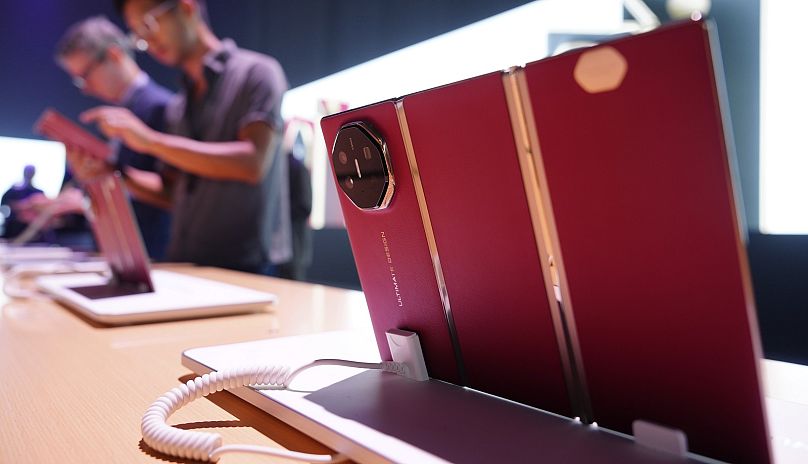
74,391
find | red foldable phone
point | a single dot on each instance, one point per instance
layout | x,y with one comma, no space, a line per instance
113,223
115,229
455,239
56,126
603,174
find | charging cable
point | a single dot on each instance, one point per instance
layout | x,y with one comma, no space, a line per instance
408,361
206,446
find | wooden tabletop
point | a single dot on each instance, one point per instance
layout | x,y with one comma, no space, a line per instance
74,391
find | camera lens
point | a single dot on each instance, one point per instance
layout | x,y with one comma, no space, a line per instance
361,166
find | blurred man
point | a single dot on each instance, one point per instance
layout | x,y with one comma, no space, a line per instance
13,225
230,204
98,56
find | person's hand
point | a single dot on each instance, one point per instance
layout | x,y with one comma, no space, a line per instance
85,166
69,201
29,208
116,122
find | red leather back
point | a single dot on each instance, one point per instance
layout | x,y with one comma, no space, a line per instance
467,159
640,183
116,231
401,291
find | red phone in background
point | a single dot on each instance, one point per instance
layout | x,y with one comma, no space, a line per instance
117,233
56,126
604,173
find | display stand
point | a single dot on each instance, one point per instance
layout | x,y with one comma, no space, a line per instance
373,416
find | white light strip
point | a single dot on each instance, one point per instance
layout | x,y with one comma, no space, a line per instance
48,158
514,37
511,38
783,103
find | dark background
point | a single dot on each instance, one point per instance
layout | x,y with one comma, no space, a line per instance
315,38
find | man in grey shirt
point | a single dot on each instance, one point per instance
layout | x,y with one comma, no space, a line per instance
230,204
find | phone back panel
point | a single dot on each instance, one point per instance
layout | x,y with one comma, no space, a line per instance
58,127
473,186
391,251
116,231
640,182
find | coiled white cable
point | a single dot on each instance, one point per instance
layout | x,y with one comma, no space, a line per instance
207,446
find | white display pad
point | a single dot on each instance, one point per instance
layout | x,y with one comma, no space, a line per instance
372,416
176,296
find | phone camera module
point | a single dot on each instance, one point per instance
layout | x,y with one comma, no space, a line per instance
362,166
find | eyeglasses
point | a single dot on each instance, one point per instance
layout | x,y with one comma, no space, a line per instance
80,80
149,25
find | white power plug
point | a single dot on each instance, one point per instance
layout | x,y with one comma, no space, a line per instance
405,346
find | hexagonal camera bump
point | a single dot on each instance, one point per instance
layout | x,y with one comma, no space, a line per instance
362,166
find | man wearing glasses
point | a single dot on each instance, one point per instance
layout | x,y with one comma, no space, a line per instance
98,56
231,206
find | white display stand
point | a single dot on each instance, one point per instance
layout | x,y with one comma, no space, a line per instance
378,417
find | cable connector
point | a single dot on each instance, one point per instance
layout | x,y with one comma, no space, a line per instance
405,346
